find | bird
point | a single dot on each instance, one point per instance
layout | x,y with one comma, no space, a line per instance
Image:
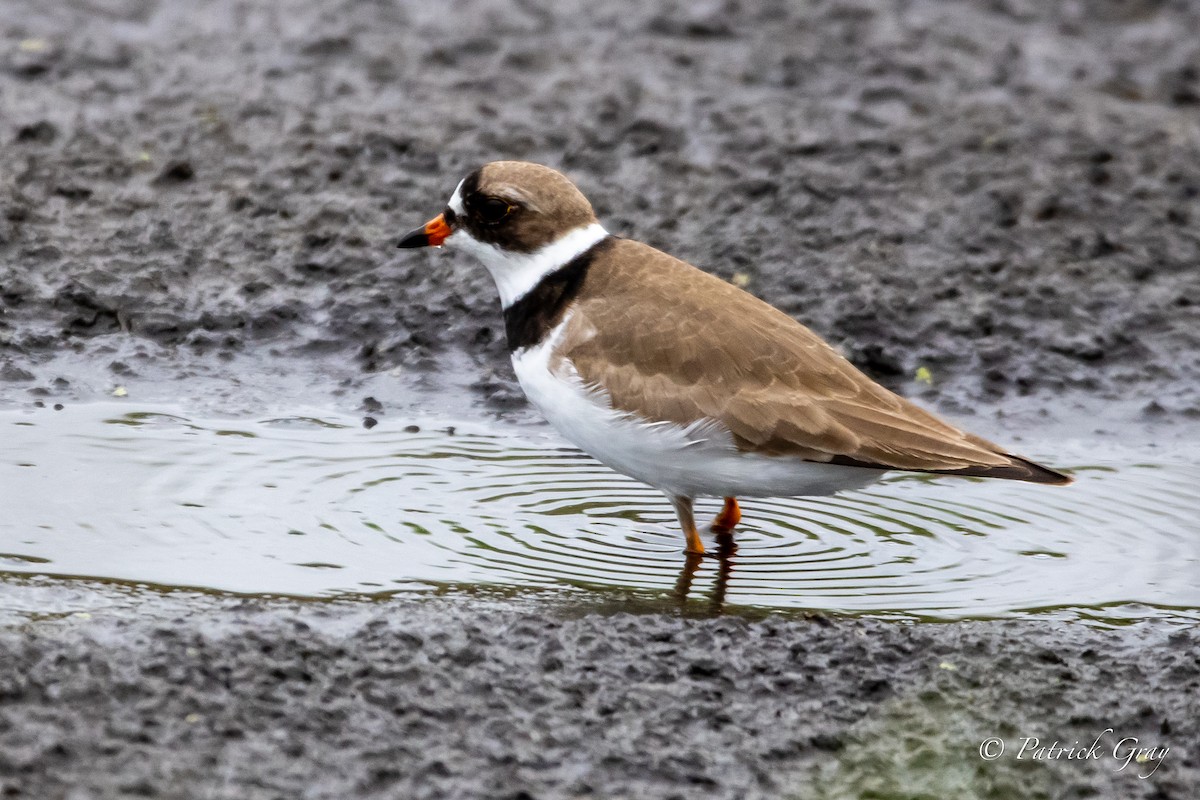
677,378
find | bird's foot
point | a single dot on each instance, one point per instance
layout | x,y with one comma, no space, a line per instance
726,547
728,518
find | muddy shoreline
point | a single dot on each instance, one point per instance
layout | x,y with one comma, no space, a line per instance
1006,196
545,697
200,201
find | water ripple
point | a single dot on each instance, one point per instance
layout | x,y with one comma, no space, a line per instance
317,506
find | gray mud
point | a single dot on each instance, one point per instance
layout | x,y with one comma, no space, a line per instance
535,698
1005,195
207,195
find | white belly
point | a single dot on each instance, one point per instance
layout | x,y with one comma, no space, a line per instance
692,461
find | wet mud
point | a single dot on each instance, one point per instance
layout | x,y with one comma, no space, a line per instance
1004,194
481,697
199,202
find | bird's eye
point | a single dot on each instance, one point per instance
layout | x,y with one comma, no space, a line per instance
492,210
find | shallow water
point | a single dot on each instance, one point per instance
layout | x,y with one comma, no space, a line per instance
319,506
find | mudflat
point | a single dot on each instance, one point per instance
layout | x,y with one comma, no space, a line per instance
992,207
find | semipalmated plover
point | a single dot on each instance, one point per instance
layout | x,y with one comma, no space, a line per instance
673,376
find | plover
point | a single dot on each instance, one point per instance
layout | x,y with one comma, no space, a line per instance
675,377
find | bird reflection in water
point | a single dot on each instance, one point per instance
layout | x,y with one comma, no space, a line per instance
726,548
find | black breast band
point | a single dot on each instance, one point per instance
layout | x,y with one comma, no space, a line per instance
538,311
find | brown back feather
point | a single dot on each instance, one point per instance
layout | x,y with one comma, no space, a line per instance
667,341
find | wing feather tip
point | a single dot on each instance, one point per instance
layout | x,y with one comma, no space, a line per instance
1018,469
1042,474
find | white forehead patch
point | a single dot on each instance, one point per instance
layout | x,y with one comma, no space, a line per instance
456,201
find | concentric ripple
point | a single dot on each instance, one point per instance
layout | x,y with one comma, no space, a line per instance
315,505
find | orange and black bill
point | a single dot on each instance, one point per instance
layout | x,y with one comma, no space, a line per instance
431,234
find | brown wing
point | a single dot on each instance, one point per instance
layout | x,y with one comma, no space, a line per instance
668,341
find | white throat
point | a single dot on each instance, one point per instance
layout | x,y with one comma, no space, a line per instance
516,274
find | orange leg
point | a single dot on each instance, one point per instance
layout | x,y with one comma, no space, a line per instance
729,517
683,510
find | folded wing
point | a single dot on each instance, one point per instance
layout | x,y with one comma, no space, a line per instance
720,353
